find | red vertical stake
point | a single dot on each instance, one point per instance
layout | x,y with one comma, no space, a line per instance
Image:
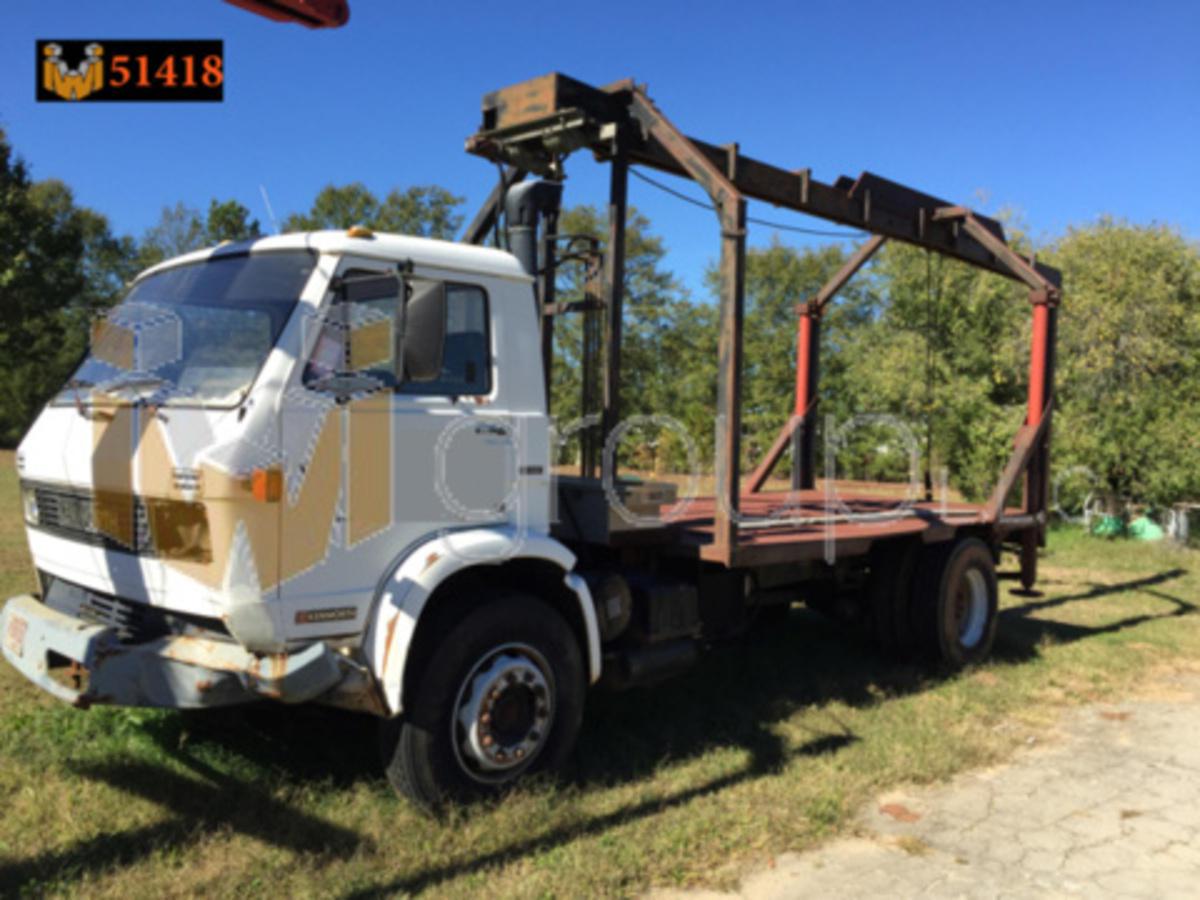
1038,357
1041,373
807,351
803,361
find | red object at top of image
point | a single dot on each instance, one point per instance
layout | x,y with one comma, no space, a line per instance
313,13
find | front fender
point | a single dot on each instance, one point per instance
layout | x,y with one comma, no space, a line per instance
417,575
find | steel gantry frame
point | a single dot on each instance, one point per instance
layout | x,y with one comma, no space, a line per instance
530,128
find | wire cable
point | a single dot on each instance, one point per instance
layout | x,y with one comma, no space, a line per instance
818,232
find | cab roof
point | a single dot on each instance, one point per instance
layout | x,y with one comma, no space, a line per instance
378,245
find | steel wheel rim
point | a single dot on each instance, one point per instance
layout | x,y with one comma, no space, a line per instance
971,608
503,713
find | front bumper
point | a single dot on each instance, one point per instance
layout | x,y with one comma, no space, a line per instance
181,672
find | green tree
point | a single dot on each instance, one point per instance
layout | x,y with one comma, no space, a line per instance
779,277
1128,367
947,354
229,220
422,210
59,264
179,229
668,348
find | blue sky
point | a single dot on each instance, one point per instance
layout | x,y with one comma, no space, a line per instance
1062,111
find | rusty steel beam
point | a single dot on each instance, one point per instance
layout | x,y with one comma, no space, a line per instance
1026,443
782,441
1021,268
870,203
485,219
729,381
731,213
687,157
535,122
614,294
857,260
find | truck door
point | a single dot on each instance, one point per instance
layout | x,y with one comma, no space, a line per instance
457,464
383,451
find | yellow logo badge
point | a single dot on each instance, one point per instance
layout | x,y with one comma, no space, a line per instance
77,83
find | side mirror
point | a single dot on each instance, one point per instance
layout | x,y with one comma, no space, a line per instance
424,330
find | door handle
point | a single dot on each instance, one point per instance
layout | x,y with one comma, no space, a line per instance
494,430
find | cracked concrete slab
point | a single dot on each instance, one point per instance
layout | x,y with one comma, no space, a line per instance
1111,807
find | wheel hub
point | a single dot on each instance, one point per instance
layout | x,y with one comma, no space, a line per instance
504,712
971,608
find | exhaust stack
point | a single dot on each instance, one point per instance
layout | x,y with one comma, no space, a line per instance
524,204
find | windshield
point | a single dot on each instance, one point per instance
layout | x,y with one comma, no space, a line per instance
195,333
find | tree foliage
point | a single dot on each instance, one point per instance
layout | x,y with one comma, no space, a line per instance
668,351
59,263
423,210
1129,360
181,229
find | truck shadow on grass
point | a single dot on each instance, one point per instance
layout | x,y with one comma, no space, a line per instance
733,700
1022,630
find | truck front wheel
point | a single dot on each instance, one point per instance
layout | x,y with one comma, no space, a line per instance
501,696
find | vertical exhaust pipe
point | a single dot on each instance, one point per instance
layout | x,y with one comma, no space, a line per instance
523,205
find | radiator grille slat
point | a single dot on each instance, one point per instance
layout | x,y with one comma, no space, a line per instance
71,513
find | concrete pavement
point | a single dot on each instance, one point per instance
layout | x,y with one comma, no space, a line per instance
1110,806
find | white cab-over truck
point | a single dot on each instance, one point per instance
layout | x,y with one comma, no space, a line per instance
219,510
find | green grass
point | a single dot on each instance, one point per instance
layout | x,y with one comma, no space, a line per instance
770,745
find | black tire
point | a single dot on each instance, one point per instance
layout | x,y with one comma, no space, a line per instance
821,597
426,752
956,601
888,597
772,616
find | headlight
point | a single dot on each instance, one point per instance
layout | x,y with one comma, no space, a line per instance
30,506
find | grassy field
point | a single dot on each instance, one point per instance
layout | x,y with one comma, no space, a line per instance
771,745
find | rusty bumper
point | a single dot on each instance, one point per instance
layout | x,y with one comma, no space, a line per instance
85,664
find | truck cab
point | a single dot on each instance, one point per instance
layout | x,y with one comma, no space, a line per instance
276,456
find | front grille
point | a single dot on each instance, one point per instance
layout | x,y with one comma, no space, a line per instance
123,522
135,623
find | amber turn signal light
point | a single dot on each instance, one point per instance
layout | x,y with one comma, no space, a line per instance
267,485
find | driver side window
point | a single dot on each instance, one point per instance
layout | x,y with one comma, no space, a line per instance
362,345
358,339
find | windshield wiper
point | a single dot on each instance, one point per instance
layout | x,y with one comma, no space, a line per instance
75,384
136,382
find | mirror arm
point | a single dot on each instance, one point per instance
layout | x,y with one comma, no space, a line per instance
405,270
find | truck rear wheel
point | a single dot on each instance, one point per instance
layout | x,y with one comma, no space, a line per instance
501,697
956,602
889,595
